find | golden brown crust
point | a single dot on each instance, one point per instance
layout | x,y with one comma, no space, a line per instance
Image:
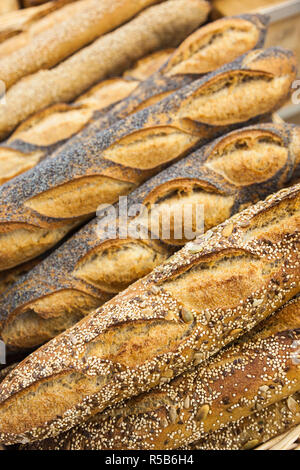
225,176
235,384
53,45
41,134
15,22
202,298
47,201
146,33
8,5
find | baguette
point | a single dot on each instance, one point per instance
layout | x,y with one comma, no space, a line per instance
204,297
147,66
46,49
87,270
233,385
15,22
8,5
44,132
35,20
108,55
42,205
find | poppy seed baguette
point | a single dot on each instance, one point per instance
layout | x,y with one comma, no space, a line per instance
44,132
223,177
245,378
96,167
201,299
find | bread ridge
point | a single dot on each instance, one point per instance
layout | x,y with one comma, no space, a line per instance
8,5
45,300
236,384
94,154
161,325
117,50
29,142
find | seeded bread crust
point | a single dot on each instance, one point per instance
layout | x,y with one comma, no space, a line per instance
205,296
225,176
235,384
47,130
96,167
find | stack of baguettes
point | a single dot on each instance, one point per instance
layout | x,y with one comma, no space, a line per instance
201,351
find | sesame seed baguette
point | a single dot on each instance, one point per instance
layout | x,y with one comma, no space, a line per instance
96,167
88,269
89,20
44,132
14,23
205,296
109,55
235,384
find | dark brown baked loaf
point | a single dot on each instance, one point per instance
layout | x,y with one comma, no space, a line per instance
223,177
44,132
40,207
235,384
205,296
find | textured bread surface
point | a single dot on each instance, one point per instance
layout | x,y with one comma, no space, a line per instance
14,23
81,27
226,392
109,55
223,178
42,133
8,5
205,296
48,200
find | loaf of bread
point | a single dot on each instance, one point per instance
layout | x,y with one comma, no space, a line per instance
109,55
147,66
223,177
8,5
44,204
82,25
208,294
14,23
233,385
44,132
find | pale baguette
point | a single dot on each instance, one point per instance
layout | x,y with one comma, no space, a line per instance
45,50
8,5
247,377
205,296
223,177
44,132
42,205
109,55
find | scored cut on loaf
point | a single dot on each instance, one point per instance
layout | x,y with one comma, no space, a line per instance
213,399
44,204
87,270
109,55
44,132
205,296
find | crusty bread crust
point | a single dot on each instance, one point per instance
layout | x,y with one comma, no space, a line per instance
202,298
96,167
44,132
225,176
239,381
109,55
